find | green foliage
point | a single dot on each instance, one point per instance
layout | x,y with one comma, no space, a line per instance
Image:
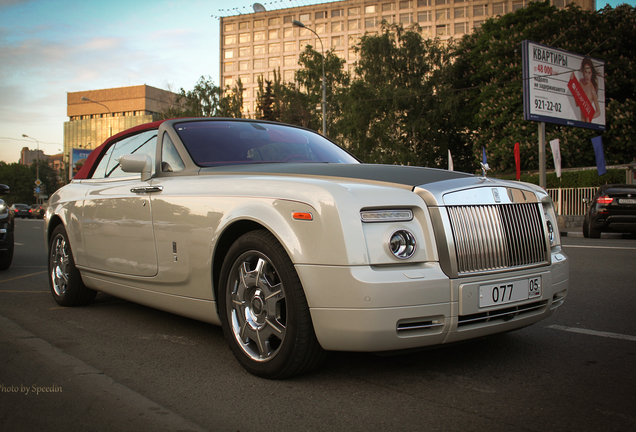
21,180
205,100
574,179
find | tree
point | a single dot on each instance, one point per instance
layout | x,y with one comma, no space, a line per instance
207,100
488,74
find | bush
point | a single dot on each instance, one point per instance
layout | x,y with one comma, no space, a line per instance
574,179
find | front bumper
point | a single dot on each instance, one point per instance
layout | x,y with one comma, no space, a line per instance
372,309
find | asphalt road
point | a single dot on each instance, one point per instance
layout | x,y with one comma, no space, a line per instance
115,365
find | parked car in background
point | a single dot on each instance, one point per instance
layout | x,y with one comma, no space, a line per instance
21,210
295,248
612,209
7,225
38,211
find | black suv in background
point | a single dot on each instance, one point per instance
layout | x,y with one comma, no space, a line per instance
6,231
613,209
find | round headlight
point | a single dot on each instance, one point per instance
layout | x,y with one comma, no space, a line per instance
402,244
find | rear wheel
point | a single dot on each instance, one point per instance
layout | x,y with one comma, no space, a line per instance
6,256
65,280
586,228
593,233
264,311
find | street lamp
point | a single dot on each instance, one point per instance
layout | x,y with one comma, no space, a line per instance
297,23
37,163
110,128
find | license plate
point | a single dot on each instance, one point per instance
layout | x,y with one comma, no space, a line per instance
626,201
509,291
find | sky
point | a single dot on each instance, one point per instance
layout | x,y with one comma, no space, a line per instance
51,47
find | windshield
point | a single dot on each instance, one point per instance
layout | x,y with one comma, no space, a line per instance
226,142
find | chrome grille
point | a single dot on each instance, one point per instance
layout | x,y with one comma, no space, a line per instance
493,237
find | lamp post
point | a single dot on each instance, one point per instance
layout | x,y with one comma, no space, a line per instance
110,128
37,163
297,23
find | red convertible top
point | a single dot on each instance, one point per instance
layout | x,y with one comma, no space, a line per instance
87,170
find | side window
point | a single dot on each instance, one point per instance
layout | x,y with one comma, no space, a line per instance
142,143
170,159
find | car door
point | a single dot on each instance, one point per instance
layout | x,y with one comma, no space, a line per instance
117,214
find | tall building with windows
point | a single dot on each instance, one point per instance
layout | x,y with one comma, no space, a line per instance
256,44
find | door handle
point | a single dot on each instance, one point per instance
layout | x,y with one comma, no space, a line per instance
146,189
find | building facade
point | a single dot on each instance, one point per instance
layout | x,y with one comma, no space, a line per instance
256,44
95,115
28,156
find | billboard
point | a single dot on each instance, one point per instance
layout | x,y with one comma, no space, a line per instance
562,87
78,158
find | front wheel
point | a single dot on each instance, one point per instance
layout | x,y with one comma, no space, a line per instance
65,280
264,311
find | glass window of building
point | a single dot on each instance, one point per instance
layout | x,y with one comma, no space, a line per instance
423,3
228,54
228,67
245,79
271,75
442,30
353,11
259,35
353,24
461,12
229,27
354,40
273,62
337,41
304,17
288,46
303,43
519,4
406,4
320,15
244,51
321,28
230,39
273,48
244,25
259,63
423,16
337,13
406,18
273,21
244,37
389,18
340,54
287,19
500,8
259,49
480,10
370,9
388,7
229,81
353,55
337,26
441,14
244,65
273,34
441,2
460,1
370,22
288,75
304,32
477,24
259,23
288,32
427,32
460,28
247,92
289,61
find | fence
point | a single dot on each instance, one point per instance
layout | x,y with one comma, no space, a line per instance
569,201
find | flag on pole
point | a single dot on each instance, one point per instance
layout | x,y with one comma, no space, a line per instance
450,161
518,160
556,153
484,160
597,142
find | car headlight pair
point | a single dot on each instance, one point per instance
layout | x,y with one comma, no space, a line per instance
402,243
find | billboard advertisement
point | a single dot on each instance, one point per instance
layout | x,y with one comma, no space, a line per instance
78,158
562,87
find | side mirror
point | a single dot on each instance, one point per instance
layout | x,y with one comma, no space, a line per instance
137,164
4,189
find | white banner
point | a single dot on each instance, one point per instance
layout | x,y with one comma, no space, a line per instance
563,87
556,153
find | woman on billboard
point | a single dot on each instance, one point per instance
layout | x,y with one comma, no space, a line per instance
585,90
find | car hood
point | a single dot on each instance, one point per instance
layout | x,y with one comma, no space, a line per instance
397,174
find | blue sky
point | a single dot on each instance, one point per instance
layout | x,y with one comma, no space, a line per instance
51,47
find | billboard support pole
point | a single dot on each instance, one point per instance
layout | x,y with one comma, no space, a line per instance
542,178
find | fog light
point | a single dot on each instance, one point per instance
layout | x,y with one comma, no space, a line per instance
402,244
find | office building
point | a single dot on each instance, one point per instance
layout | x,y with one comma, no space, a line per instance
258,43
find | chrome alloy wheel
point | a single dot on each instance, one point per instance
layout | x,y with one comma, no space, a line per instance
59,267
256,306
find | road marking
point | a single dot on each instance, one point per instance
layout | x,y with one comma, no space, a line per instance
22,277
594,332
598,247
